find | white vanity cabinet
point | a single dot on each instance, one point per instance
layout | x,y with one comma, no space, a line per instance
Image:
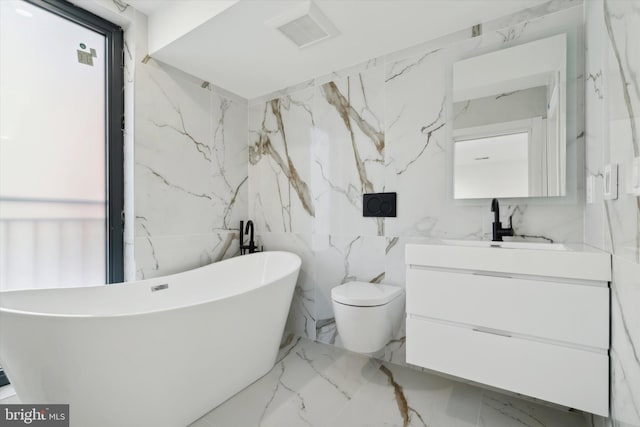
532,321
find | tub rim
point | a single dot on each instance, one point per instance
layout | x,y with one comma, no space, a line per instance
294,256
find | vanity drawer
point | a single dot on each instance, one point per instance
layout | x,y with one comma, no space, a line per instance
558,311
567,376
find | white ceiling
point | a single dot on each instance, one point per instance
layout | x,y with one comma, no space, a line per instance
237,51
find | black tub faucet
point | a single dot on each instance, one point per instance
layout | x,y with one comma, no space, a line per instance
498,231
248,229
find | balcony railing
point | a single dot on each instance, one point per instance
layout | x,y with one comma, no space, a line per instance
48,243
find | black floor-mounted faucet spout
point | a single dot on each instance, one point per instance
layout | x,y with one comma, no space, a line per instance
498,231
248,229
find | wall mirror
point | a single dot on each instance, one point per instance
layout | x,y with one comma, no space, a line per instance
509,129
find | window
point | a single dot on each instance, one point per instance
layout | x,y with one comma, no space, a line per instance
61,152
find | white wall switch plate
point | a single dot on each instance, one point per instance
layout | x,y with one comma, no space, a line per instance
635,176
590,181
610,181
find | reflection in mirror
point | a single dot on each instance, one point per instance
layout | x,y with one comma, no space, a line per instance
509,122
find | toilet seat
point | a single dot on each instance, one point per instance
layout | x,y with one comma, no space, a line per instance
363,294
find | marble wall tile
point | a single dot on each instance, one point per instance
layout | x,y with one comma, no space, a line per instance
394,266
302,315
191,176
596,73
348,152
280,197
561,223
173,130
229,153
622,22
417,104
130,61
158,256
613,118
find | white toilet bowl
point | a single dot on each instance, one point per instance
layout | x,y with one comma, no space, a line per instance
367,314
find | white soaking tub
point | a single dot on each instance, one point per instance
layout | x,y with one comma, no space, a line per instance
157,352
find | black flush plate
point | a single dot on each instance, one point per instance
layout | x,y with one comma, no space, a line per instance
379,204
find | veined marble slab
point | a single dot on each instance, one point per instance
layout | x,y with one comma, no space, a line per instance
315,384
613,136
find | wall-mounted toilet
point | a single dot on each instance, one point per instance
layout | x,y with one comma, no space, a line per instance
367,314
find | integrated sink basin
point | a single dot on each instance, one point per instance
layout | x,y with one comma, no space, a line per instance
508,245
567,260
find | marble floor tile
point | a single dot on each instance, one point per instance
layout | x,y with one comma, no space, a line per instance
319,385
401,396
498,410
307,385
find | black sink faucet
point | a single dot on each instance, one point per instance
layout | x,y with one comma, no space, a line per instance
498,231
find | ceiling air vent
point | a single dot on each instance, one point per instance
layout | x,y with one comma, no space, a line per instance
304,24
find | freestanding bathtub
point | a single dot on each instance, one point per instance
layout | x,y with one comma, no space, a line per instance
158,352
